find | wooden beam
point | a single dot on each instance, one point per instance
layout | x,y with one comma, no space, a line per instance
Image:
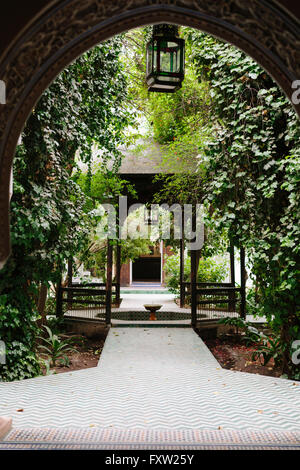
194,278
118,271
108,282
243,283
70,277
181,278
232,267
59,300
232,305
70,272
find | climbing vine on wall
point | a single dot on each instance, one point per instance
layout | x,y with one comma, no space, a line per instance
49,218
253,183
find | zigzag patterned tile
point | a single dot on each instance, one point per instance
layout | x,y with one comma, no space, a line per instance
156,378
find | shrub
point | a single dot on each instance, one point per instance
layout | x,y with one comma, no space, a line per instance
17,330
210,270
55,348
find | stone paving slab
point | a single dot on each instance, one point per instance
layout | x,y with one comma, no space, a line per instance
154,379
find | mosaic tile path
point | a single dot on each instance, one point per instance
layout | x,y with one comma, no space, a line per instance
154,379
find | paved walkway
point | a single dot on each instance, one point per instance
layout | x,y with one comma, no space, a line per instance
154,379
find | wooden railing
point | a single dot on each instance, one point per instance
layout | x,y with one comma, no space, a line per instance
213,299
115,288
90,300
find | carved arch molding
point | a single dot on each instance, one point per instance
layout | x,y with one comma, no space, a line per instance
70,27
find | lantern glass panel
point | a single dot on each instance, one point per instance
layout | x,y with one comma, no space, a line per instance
169,57
154,56
149,58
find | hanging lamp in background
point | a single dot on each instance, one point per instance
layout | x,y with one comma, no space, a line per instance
165,59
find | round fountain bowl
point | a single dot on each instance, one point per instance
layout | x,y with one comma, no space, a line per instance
152,307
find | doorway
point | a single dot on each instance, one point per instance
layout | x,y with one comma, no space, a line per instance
146,269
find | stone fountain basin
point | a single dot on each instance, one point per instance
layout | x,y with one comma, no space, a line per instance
152,307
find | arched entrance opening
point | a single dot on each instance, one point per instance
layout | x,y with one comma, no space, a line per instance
46,74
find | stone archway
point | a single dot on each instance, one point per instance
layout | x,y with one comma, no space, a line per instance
70,27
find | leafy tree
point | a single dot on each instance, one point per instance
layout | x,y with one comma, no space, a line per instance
102,186
95,259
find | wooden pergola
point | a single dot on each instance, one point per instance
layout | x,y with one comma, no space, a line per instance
206,297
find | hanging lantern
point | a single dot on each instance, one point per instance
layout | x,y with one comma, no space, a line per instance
165,59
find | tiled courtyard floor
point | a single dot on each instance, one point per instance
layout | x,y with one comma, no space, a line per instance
154,379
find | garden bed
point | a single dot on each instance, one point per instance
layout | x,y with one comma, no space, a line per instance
87,354
233,354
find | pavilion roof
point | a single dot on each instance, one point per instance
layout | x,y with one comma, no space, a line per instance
145,157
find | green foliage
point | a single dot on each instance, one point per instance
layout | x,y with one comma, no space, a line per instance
95,261
18,330
56,324
103,186
55,348
131,250
50,223
237,322
181,123
253,303
269,347
251,334
21,362
210,270
50,307
178,115
252,183
134,62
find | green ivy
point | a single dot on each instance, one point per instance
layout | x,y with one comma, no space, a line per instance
253,183
50,223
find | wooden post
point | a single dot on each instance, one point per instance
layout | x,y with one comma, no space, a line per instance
232,268
181,279
70,272
118,257
232,279
193,288
243,283
108,282
43,292
59,300
118,272
70,279
194,279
